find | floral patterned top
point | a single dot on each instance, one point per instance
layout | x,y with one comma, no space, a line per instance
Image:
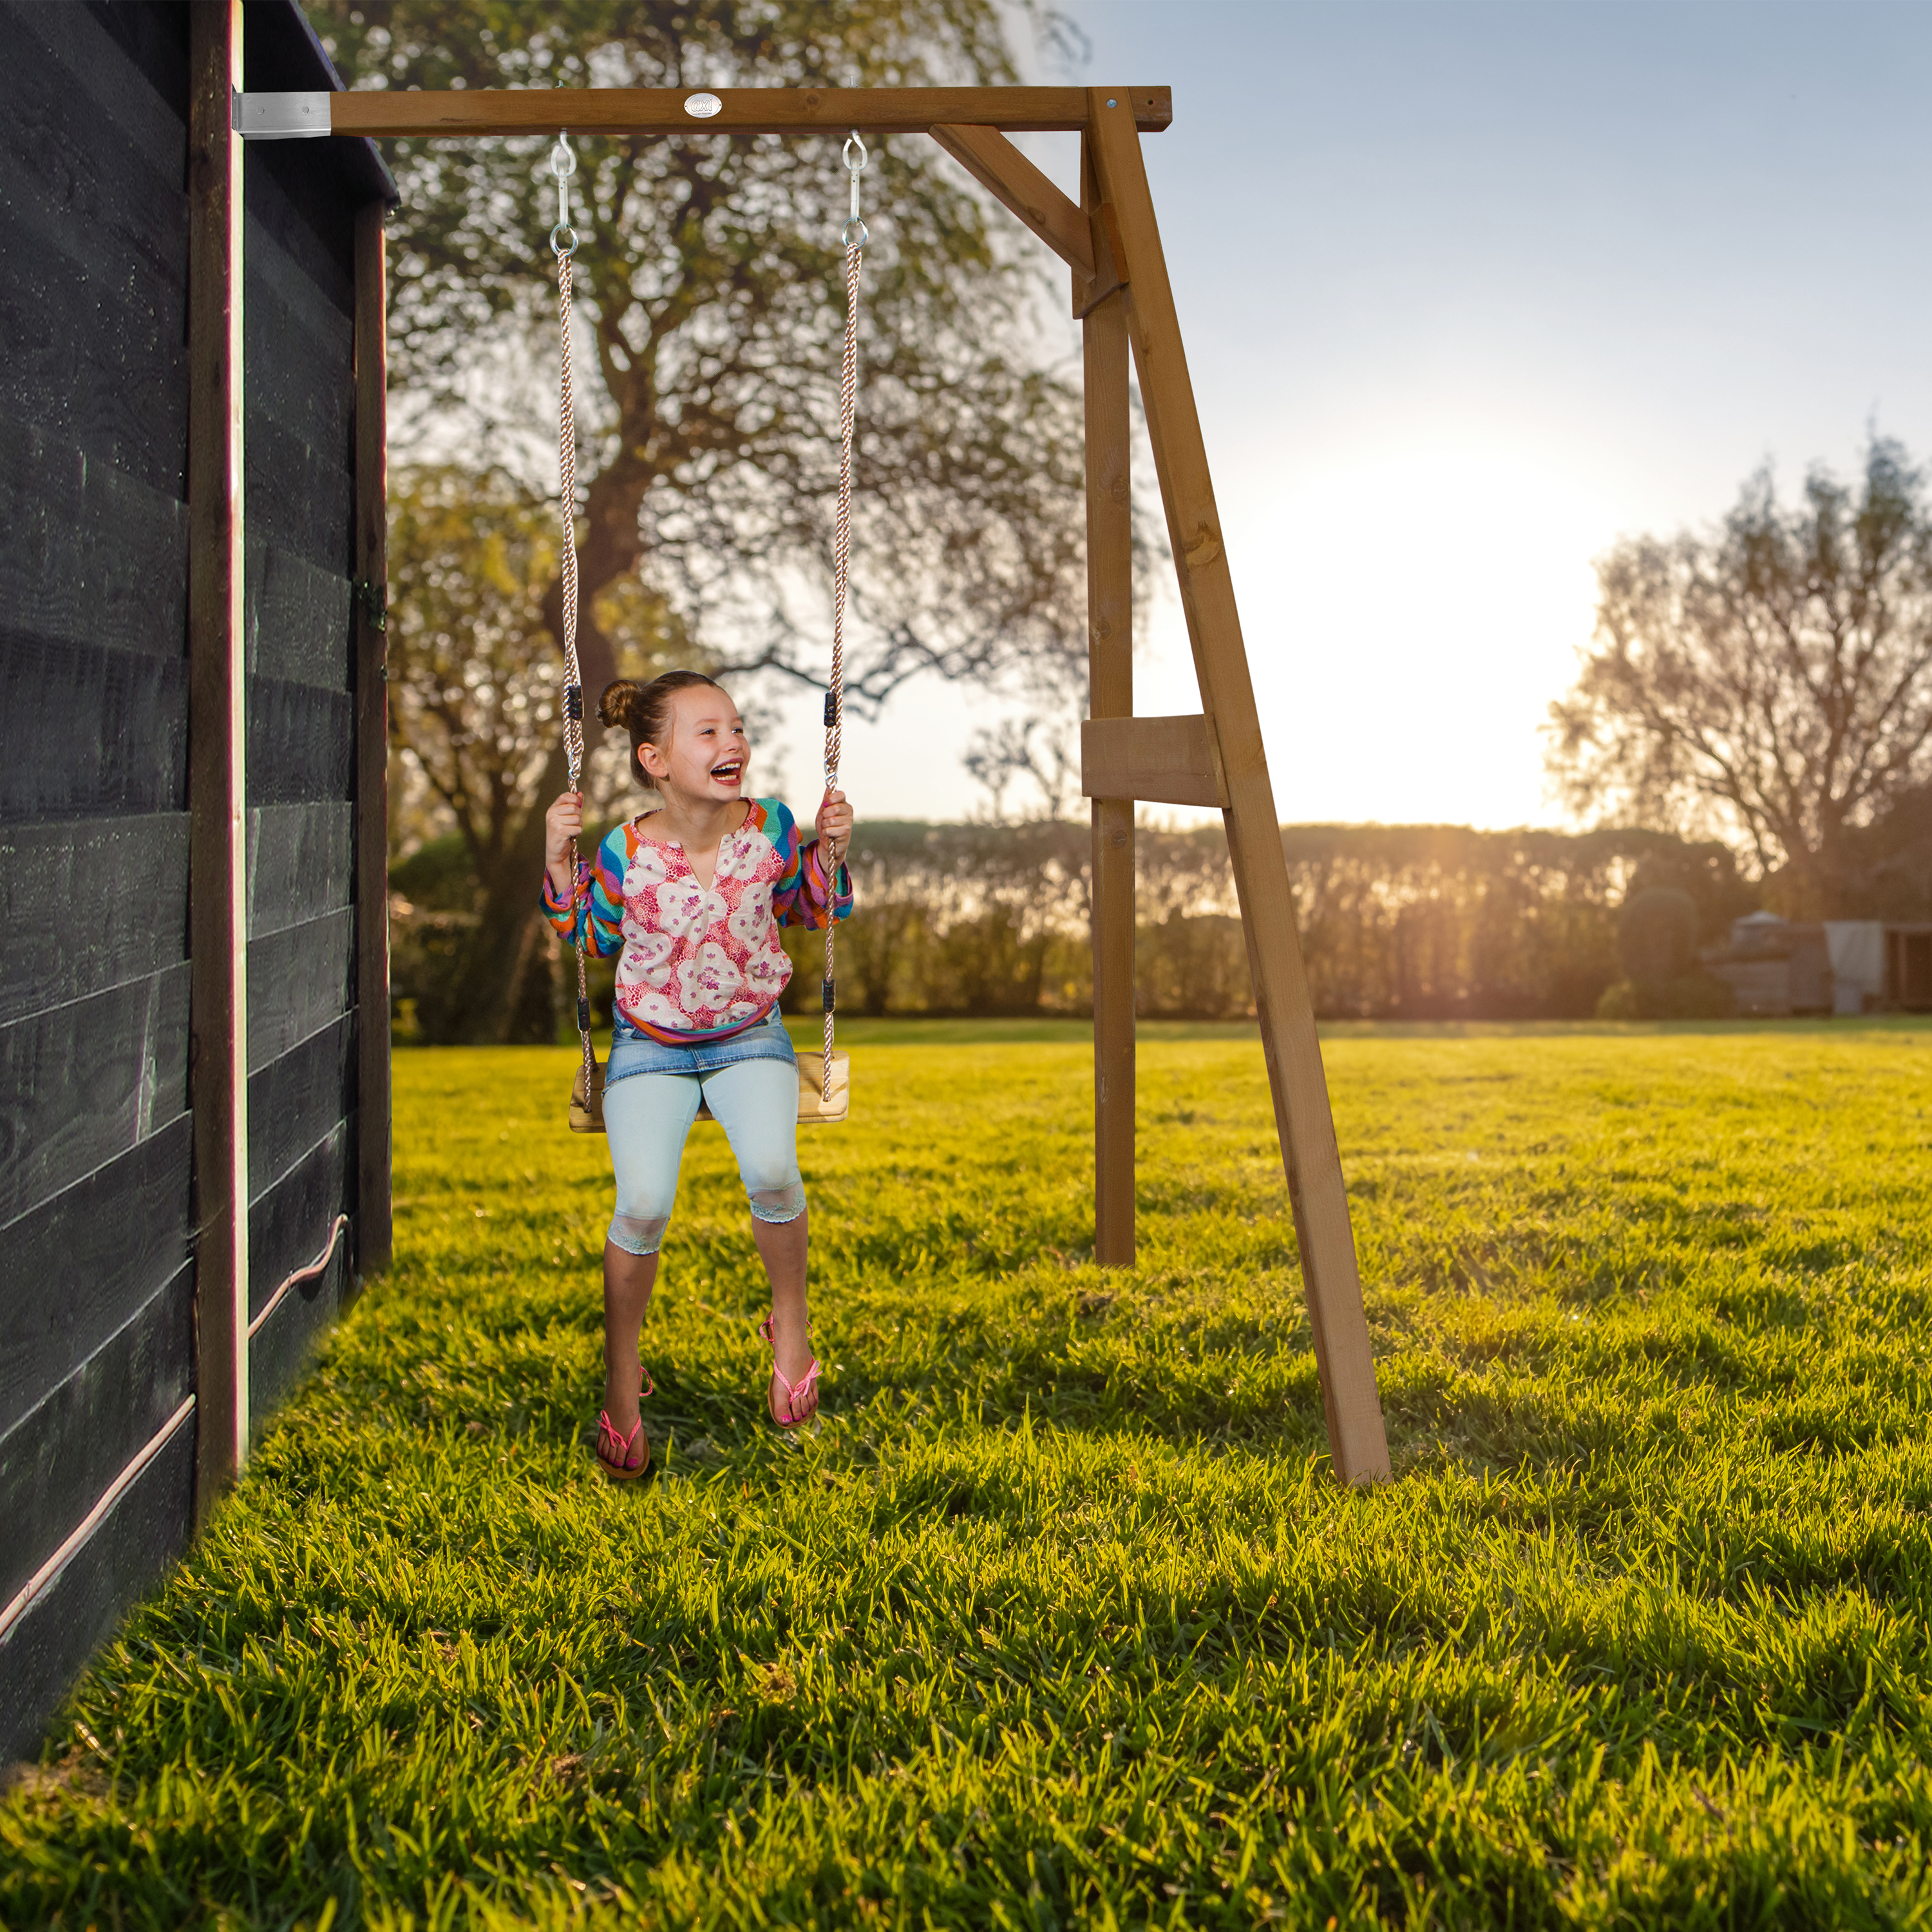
694,964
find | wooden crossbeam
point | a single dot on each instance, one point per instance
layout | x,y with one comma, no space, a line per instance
1356,1438
394,112
1157,761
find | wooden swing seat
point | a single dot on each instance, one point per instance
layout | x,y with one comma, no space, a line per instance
586,1115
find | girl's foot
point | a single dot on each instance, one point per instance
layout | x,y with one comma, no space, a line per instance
790,1402
625,1452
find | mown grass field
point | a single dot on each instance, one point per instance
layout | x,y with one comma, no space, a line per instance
1058,1618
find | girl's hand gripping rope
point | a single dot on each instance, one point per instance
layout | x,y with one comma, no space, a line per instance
563,826
834,827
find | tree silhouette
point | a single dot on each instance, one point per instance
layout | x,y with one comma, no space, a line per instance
1771,681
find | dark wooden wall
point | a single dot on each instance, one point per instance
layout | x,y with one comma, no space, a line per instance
96,1277
97,1269
299,388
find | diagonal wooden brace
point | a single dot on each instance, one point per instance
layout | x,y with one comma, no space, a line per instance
1357,1441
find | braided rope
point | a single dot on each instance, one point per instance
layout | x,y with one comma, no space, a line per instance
848,401
573,675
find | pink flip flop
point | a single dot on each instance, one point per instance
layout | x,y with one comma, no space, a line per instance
805,1385
616,1466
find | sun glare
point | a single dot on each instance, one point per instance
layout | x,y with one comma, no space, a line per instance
1408,620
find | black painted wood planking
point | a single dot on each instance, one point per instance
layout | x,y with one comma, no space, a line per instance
279,1349
300,979
74,1266
143,1532
295,1100
313,227
301,863
93,555
82,1082
58,1459
128,65
87,235
86,906
85,732
297,495
300,745
300,352
289,1223
300,619
111,392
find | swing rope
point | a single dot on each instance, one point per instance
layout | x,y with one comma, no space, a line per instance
563,240
853,236
563,243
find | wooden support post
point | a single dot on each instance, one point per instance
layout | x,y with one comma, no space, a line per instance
1356,1440
1110,662
217,845
373,1220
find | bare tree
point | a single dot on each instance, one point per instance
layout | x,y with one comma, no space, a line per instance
711,292
1771,681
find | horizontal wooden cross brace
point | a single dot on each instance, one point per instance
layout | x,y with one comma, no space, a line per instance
1157,761
387,113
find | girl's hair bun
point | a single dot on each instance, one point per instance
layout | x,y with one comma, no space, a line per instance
644,711
618,705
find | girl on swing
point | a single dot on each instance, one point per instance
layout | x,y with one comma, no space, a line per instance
690,898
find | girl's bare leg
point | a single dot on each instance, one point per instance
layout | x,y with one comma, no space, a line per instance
628,1279
781,1246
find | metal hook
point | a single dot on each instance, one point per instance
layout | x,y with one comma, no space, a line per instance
847,235
563,165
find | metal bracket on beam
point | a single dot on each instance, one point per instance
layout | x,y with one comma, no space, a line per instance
281,117
1159,760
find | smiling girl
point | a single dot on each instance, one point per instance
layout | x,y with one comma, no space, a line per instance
690,898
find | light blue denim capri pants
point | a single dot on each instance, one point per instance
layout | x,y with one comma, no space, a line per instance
651,1094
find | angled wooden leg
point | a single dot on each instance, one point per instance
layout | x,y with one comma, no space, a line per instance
1110,660
1356,1439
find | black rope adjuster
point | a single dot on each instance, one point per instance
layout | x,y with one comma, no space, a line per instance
573,703
584,1016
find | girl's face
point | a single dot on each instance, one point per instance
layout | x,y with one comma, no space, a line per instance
705,751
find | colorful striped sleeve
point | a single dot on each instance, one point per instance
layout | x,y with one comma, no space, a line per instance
804,895
595,914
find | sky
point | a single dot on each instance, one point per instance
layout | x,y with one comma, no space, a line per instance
1471,291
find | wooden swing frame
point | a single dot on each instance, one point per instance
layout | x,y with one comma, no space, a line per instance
1111,243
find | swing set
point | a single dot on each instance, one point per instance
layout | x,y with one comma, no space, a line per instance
1111,244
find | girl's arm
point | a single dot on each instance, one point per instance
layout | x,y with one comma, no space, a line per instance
817,887
591,906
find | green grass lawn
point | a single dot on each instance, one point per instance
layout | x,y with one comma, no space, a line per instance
1059,1617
